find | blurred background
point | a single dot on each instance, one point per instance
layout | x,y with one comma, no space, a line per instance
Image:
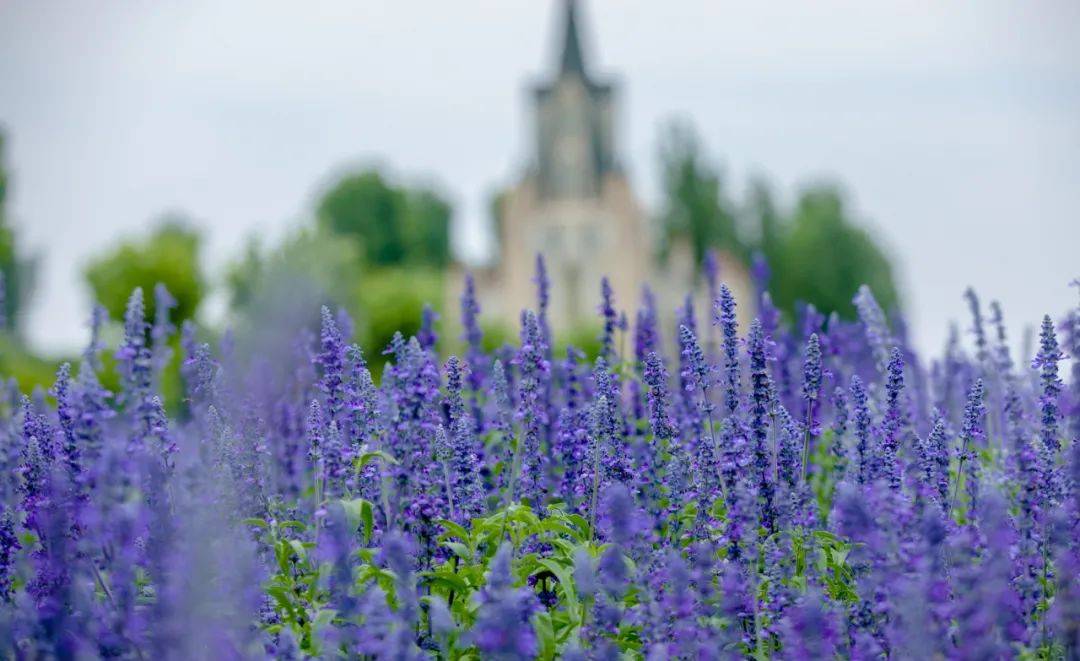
249,155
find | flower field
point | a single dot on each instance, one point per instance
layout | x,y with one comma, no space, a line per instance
812,489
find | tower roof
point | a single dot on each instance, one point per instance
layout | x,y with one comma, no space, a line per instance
572,60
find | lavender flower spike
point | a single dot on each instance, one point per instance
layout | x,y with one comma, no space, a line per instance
656,378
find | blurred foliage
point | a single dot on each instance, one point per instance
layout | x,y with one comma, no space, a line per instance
391,300
587,340
821,256
817,252
28,370
392,224
169,255
16,270
170,382
496,335
276,294
16,281
695,205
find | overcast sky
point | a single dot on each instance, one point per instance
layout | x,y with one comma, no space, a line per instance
955,126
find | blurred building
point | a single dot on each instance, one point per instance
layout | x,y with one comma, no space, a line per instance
576,206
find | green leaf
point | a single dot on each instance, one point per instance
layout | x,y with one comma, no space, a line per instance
446,579
259,523
323,618
454,529
461,551
361,514
367,517
298,548
366,458
545,634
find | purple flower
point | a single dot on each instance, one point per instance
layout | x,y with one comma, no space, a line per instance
724,316
656,378
711,268
607,429
362,401
332,360
610,317
463,460
934,461
9,545
647,328
861,402
473,336
502,420
1046,361
1001,347
878,336
695,371
887,464
315,434
760,272
136,366
543,297
811,392
811,388
532,411
162,329
619,516
987,612
977,327
810,630
67,413
972,438
759,412
503,629
426,336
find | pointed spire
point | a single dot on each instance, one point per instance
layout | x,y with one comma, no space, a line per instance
572,59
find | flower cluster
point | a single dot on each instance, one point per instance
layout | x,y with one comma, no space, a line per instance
814,489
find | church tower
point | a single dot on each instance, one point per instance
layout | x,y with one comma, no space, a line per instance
574,204
574,142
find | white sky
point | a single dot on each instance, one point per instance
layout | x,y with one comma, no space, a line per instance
956,126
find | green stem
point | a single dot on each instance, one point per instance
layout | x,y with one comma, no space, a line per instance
712,439
318,496
514,463
959,472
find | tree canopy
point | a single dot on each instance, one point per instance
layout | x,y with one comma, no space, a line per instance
817,252
392,224
169,255
695,204
16,270
822,256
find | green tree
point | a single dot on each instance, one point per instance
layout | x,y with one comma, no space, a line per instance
426,223
16,270
824,257
765,214
275,294
392,224
169,255
695,206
